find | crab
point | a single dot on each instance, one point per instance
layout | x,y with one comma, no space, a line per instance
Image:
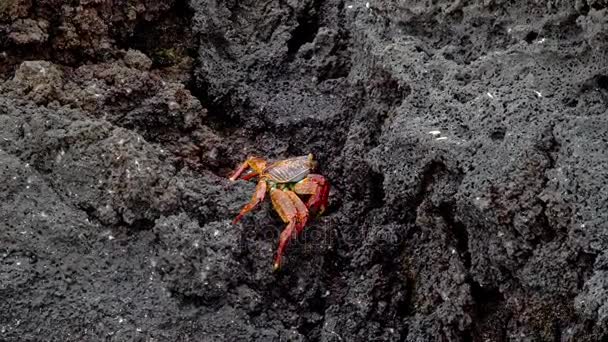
285,181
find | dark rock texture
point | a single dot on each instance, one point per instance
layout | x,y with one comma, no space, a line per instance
466,143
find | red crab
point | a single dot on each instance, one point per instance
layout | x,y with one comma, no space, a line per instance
285,180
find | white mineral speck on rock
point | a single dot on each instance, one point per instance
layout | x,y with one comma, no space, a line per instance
435,132
173,105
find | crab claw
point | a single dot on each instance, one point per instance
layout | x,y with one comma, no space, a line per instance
318,187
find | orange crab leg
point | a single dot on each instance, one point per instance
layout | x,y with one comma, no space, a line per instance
302,211
250,175
239,171
317,186
293,212
257,164
258,197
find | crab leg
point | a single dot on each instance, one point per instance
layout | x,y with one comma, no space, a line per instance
255,163
249,175
317,186
293,212
258,196
239,171
302,211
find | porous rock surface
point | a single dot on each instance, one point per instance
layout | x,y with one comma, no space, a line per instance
466,143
